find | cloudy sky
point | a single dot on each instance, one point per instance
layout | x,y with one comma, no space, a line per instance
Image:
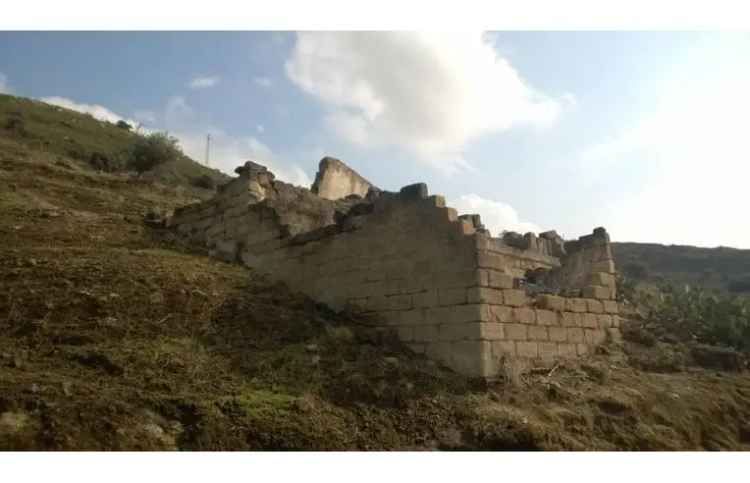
646,134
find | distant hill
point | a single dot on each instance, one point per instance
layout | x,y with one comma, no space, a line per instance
722,268
70,134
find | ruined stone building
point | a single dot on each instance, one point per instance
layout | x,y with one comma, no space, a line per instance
410,263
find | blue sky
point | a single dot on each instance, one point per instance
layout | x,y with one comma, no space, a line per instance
643,133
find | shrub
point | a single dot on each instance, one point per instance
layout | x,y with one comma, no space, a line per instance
154,149
205,182
705,317
124,125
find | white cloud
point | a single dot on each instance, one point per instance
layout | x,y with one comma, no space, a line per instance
4,85
260,128
496,215
97,111
203,82
428,94
263,81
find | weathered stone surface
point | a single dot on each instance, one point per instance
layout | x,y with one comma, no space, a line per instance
596,292
594,306
570,319
514,298
589,321
335,180
527,349
524,315
515,331
500,279
558,334
501,313
610,306
503,348
547,350
546,317
575,305
485,295
575,334
550,302
538,332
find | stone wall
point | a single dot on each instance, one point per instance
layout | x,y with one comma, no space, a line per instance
408,263
336,180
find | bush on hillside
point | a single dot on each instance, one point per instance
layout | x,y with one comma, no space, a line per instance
152,150
205,182
705,317
124,125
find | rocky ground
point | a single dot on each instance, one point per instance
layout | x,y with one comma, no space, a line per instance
113,335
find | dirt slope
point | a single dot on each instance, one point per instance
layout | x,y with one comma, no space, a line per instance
115,336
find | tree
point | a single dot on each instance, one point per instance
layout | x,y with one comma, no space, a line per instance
152,150
124,125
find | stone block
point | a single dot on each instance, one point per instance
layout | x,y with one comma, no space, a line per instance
524,315
602,278
546,317
417,348
550,302
491,331
500,279
614,335
607,266
426,333
589,321
503,348
610,306
426,298
476,295
488,259
537,332
594,306
575,334
451,296
570,319
514,298
469,313
467,331
547,351
596,292
566,350
605,321
437,315
527,349
413,317
515,331
501,313
582,349
575,305
405,333
616,321
558,334
439,351
473,358
594,336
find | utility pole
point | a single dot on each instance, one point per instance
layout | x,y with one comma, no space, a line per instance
208,149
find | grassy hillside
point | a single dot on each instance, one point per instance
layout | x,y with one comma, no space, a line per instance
725,269
114,335
36,125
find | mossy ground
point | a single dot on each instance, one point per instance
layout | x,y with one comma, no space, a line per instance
115,336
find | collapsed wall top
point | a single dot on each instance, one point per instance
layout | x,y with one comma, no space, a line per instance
335,180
